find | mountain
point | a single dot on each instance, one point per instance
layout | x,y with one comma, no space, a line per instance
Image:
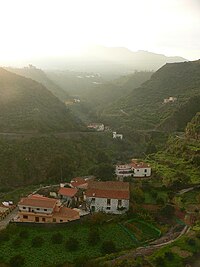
27,106
41,77
109,62
166,102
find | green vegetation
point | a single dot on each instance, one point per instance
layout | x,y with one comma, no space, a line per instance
74,245
143,108
27,106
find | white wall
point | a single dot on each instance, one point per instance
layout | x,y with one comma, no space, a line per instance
142,172
35,209
100,204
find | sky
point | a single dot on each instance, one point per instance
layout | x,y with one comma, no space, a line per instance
42,28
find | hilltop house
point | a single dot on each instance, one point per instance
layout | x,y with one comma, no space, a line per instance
133,169
117,136
109,197
40,209
171,99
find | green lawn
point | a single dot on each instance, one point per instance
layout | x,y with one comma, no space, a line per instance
50,253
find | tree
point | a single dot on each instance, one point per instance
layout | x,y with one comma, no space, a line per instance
108,247
57,238
37,241
17,261
104,171
72,244
169,255
94,237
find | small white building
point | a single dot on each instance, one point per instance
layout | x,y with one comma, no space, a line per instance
171,99
117,136
99,127
109,197
133,169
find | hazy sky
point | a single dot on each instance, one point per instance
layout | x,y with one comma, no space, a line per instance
35,28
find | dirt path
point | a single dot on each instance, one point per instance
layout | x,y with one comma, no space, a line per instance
8,218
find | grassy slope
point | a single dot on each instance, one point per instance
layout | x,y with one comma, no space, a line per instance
144,107
26,105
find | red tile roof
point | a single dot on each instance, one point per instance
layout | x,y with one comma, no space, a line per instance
68,192
38,201
139,165
114,190
66,212
78,181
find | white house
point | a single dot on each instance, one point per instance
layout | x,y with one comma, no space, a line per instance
133,169
117,136
109,197
171,99
99,127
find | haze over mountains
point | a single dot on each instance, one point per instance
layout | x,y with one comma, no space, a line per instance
108,61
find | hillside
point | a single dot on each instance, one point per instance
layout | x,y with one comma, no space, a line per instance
193,128
41,77
27,106
144,107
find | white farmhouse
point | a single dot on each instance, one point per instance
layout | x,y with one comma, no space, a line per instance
109,197
133,169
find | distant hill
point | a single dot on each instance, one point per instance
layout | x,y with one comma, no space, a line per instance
41,77
144,107
27,106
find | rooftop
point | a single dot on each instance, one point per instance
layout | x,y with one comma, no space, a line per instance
68,192
78,181
66,212
109,189
38,201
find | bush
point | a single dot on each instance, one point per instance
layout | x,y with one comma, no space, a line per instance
37,241
23,234
57,238
169,255
4,236
160,262
17,261
72,244
93,237
108,247
191,242
17,242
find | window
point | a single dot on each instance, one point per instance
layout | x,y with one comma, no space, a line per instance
38,208
108,208
145,170
93,208
25,217
137,170
43,219
45,209
37,219
54,219
61,220
119,202
24,208
108,201
93,199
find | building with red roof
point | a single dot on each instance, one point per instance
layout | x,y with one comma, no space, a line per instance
109,197
68,195
40,209
79,183
133,169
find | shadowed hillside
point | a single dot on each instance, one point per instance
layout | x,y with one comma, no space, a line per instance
27,106
150,106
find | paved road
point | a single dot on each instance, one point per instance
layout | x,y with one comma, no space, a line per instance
8,218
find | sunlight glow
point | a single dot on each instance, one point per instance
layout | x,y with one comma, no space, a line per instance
35,28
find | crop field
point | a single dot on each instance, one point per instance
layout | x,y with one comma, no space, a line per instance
142,231
50,253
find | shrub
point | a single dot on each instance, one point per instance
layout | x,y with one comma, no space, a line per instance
108,247
191,242
57,238
93,237
17,242
37,241
160,261
72,244
23,234
17,261
169,255
4,236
